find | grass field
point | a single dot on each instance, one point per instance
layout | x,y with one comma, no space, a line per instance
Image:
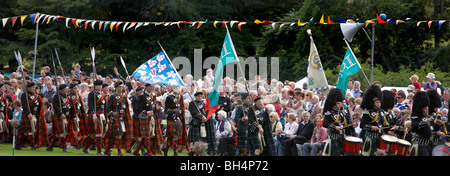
6,150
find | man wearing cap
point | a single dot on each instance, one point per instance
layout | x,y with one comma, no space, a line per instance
33,124
117,113
174,108
260,139
77,116
241,120
94,125
143,112
199,120
3,111
61,108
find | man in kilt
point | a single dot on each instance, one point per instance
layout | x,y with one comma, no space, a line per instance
116,109
174,124
334,121
143,112
3,112
33,122
241,120
372,119
61,108
77,117
94,125
259,122
197,109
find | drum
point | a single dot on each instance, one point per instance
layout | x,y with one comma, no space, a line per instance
403,147
388,143
441,150
352,144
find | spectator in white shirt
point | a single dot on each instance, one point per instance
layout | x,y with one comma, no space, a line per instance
290,129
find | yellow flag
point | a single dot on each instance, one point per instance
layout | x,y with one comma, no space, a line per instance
321,20
300,23
368,21
258,22
215,22
22,18
112,25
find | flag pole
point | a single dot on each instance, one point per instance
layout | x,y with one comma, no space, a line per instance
357,62
35,48
182,82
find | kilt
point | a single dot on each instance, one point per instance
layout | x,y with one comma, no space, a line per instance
114,127
25,125
83,122
171,130
128,136
183,135
90,126
41,137
194,134
57,125
155,141
253,141
242,138
141,127
71,137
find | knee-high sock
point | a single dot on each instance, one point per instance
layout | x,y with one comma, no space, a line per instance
98,142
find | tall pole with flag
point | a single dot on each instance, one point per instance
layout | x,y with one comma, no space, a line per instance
227,56
316,76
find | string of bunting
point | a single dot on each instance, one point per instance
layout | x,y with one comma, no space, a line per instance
103,25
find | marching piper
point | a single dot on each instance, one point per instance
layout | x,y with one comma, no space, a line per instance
96,118
61,109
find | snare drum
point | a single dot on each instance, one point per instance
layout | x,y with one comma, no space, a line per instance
403,147
388,143
352,144
441,150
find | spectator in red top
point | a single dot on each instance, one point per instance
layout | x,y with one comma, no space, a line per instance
414,79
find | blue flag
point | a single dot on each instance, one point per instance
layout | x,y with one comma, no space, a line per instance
228,55
349,67
158,70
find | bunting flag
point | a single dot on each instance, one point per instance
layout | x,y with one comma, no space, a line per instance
158,70
228,55
13,19
79,22
315,74
349,67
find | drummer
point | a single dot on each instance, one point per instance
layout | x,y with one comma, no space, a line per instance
372,119
420,125
439,124
334,121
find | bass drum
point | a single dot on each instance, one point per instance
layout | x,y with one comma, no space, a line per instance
442,150
352,145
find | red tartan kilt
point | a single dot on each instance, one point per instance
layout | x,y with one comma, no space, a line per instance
171,129
114,127
57,125
25,125
90,126
141,127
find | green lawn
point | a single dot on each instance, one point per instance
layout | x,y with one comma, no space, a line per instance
6,150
